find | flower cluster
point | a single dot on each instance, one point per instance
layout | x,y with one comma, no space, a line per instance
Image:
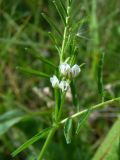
63,85
67,72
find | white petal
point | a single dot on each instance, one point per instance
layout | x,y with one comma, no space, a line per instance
65,69
55,82
75,70
64,85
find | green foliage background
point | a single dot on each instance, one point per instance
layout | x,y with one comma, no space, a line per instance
26,101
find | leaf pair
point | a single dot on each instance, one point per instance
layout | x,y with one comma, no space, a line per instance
68,126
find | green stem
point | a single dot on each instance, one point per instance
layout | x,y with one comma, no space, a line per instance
61,106
65,35
91,109
56,103
44,148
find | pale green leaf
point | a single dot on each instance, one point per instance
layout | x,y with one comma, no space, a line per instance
68,130
8,119
109,149
8,124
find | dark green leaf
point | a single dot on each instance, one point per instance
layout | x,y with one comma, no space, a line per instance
68,130
32,140
33,72
63,7
60,11
44,60
51,23
69,2
100,76
55,41
82,120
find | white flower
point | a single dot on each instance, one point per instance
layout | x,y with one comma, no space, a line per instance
65,69
64,85
55,82
75,70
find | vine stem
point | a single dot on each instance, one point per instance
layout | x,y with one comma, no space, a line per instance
91,109
49,137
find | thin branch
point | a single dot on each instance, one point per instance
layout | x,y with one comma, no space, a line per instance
92,108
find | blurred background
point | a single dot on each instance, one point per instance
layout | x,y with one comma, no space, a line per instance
26,101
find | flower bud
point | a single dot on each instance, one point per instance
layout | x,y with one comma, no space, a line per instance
64,85
65,69
54,81
75,70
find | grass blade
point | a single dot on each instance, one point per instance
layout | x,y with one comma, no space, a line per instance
68,130
32,140
33,72
109,149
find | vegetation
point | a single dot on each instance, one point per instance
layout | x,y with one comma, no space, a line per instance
59,78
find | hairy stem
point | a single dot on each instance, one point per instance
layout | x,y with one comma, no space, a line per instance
92,109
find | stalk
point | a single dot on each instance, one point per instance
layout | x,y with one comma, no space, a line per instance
65,34
57,113
44,148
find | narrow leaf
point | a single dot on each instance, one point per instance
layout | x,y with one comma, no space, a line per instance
100,76
51,23
44,60
68,130
60,12
32,140
82,120
33,72
55,41
63,7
